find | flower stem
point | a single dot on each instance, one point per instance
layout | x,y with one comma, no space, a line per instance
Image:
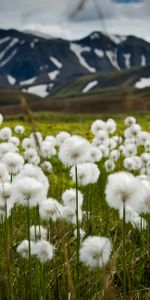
124,252
78,236
30,279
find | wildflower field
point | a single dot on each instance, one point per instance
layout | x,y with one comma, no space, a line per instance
75,207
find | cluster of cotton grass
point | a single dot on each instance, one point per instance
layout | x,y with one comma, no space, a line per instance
26,176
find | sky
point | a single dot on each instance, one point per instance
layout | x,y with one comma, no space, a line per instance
61,18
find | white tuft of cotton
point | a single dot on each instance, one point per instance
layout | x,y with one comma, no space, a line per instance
38,233
74,151
69,198
86,173
43,250
19,129
95,251
13,162
124,188
23,248
5,133
50,209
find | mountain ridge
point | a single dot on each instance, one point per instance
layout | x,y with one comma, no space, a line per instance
27,60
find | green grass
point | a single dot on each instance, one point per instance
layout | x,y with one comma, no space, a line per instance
56,279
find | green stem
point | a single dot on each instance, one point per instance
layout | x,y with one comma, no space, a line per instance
78,236
30,277
124,252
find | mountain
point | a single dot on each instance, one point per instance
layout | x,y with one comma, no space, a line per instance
42,66
98,73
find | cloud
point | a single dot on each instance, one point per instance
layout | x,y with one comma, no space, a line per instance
51,17
110,10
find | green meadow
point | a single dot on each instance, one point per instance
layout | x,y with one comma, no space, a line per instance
127,273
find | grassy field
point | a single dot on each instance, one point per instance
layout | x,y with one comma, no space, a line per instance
64,277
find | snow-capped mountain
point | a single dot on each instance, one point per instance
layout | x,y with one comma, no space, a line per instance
41,65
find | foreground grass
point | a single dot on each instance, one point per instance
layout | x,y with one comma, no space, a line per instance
56,279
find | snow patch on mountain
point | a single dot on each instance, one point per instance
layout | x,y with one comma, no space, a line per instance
28,81
143,83
89,86
112,56
10,45
39,90
117,39
143,60
4,40
127,57
78,50
99,52
53,75
94,36
4,62
11,79
56,62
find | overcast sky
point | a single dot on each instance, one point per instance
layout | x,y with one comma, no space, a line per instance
58,17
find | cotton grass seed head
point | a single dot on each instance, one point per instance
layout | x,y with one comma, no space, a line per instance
43,250
61,137
23,248
69,198
124,188
28,191
38,233
1,119
50,209
97,126
13,162
129,121
5,133
95,251
19,129
86,173
74,150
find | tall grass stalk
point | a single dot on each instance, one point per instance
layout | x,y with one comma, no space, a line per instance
124,251
30,274
78,237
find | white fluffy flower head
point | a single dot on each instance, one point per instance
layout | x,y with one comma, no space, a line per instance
95,251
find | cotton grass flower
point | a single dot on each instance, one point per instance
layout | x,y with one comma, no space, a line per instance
95,251
110,126
82,233
129,121
27,143
1,119
47,150
14,140
124,189
61,137
94,154
109,165
46,166
5,133
23,248
69,198
28,191
4,175
35,172
38,232
19,129
97,126
69,214
104,150
13,161
74,151
86,173
43,250
50,209
51,139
